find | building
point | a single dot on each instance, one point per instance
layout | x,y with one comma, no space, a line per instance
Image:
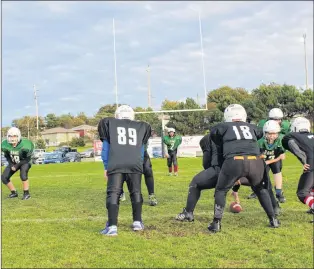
55,136
86,130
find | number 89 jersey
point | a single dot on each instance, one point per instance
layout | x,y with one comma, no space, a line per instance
126,139
237,138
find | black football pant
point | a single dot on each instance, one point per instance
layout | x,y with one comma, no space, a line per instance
306,183
231,171
114,189
148,174
276,167
8,173
172,159
266,184
207,179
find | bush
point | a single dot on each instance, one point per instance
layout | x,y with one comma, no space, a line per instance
40,144
77,142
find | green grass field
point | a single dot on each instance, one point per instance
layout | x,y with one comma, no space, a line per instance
59,227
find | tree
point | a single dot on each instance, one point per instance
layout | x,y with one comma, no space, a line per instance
66,121
52,121
77,142
151,118
28,125
306,104
83,117
40,144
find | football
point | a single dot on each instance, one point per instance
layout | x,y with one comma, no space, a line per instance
235,207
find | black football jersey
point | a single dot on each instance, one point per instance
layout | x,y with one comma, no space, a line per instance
305,141
237,138
215,154
126,139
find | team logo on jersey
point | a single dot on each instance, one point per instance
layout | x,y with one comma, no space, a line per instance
12,152
310,136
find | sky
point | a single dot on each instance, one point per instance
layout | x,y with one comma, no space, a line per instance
66,50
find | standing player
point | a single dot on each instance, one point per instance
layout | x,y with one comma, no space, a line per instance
276,114
172,141
238,140
301,143
204,180
18,153
123,146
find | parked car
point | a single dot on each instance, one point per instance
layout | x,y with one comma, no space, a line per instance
38,156
65,149
4,161
54,157
73,157
89,153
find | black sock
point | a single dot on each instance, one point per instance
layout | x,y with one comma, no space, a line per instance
193,197
13,192
236,188
26,191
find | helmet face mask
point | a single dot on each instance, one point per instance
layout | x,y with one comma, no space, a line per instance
171,131
125,112
235,112
271,137
271,130
14,136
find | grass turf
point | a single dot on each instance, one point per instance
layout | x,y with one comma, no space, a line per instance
59,226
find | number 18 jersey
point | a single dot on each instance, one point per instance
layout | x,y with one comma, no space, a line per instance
126,139
237,138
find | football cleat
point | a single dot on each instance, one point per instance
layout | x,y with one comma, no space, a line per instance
185,216
152,200
310,211
170,174
13,195
215,226
274,223
138,226
26,196
122,197
110,230
252,196
280,198
277,209
176,174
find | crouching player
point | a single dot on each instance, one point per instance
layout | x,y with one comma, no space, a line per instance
301,143
18,153
206,179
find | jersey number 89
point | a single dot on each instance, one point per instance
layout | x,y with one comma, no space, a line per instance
122,136
246,133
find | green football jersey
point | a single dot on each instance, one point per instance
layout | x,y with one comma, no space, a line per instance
271,151
172,143
23,150
285,126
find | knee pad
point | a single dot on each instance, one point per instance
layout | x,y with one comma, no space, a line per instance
302,195
23,177
112,198
5,180
136,197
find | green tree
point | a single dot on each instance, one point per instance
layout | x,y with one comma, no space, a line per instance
77,142
52,121
40,144
66,121
151,118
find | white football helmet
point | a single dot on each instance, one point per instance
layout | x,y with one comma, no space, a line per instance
169,130
14,135
125,112
271,126
300,124
235,112
275,114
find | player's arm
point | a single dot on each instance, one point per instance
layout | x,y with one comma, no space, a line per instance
6,154
103,129
215,134
105,154
259,132
179,140
290,144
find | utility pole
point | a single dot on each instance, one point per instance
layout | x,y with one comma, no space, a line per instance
36,104
149,91
305,62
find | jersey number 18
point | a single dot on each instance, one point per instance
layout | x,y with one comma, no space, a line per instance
245,130
122,136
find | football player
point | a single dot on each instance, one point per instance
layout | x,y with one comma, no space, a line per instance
300,142
273,152
277,115
123,152
241,154
172,141
18,152
204,180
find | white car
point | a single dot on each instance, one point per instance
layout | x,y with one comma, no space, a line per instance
38,156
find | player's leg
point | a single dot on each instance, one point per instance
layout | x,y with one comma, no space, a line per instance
175,163
114,188
134,185
24,177
206,179
169,163
305,189
122,195
230,172
5,178
256,170
269,187
276,170
149,179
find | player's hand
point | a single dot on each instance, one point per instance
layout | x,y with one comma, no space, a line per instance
282,156
13,168
166,155
267,162
105,174
306,167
